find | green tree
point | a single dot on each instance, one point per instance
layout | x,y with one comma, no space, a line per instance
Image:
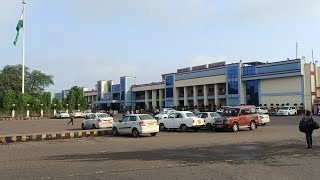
35,81
45,99
57,102
21,101
75,97
7,98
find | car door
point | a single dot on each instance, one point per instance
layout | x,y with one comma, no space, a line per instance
132,123
178,120
168,122
243,116
122,126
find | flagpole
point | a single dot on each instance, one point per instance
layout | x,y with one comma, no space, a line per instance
23,43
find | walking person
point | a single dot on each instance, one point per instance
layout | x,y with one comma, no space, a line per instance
71,118
309,126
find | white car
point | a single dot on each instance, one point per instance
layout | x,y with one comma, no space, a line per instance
223,108
182,120
136,124
164,114
62,114
85,113
287,110
263,118
262,110
209,118
96,121
77,113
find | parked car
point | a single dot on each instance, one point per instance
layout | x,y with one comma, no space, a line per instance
238,117
287,110
263,118
62,114
77,113
223,108
136,124
182,120
209,118
262,110
164,114
85,113
96,121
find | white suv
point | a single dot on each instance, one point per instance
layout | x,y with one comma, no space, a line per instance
209,118
136,124
182,120
287,110
262,110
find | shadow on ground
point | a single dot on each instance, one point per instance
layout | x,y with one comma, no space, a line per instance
228,153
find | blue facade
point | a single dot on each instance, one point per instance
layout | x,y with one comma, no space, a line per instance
232,85
169,82
99,91
199,74
252,92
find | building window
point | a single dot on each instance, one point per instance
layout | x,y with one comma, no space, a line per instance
233,87
169,92
249,70
169,80
233,72
252,92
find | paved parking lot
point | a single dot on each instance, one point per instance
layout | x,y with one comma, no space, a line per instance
276,151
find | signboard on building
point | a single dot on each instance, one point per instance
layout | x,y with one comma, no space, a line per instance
183,70
217,64
196,68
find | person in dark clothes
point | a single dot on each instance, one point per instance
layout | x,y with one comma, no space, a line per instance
309,128
71,118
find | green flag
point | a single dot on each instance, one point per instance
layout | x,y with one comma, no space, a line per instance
19,26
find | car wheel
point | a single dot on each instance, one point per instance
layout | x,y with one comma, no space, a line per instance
183,128
162,127
115,131
263,124
153,134
94,126
235,127
83,127
135,133
196,129
252,125
209,127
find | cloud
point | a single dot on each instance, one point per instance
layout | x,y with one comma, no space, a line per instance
275,10
178,14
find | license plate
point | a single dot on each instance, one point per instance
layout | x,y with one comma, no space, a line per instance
199,121
219,126
151,124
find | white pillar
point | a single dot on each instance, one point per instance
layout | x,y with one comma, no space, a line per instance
54,112
41,113
146,99
216,95
195,96
205,95
13,113
185,96
160,98
176,96
154,98
28,113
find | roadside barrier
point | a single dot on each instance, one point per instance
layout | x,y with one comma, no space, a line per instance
54,135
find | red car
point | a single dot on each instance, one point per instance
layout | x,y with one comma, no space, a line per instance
238,117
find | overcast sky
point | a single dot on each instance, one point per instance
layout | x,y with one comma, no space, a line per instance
82,41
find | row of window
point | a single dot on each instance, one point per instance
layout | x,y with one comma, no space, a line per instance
233,72
169,80
250,70
233,87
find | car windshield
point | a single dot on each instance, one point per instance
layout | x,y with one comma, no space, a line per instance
190,115
231,112
102,115
284,108
145,117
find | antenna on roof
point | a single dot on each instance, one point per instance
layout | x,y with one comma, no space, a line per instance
312,57
296,50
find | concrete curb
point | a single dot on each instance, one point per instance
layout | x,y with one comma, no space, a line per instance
24,118
54,136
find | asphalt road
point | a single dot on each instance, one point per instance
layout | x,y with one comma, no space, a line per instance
276,151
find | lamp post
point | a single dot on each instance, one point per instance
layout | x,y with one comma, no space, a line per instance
28,110
41,111
13,113
67,110
54,110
